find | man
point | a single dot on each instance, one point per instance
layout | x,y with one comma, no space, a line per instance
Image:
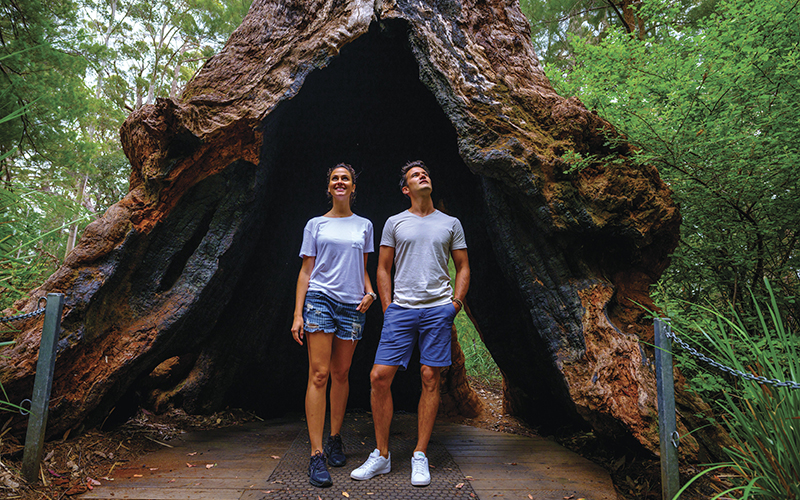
419,242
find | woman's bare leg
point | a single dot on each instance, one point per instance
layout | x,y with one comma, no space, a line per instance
340,380
319,363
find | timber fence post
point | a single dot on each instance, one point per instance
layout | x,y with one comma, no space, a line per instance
667,428
43,383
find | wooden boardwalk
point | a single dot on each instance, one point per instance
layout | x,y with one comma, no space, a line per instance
237,463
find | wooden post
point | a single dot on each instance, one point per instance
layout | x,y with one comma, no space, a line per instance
43,383
665,384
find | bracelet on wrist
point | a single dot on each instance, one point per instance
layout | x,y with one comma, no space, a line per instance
373,295
458,301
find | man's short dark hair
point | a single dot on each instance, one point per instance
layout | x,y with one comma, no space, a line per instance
408,166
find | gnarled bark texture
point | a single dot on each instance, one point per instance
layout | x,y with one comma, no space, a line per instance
182,293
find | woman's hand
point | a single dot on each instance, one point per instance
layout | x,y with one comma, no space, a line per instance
365,303
297,330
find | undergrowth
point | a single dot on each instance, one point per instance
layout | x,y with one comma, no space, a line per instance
762,419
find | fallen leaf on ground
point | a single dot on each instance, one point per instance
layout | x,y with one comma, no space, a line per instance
345,494
190,465
137,475
75,490
208,466
276,457
192,454
459,486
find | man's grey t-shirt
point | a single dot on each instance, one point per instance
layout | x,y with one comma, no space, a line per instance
422,247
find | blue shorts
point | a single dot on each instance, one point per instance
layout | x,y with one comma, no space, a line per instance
404,327
330,316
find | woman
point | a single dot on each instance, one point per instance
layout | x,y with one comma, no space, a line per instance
333,294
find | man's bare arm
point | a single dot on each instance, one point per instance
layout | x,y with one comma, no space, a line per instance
461,262
384,275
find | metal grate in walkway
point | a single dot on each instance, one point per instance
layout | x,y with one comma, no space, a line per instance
289,481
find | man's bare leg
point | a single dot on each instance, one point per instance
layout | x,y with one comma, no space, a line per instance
428,405
381,379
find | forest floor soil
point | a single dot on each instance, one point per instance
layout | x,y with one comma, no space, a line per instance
74,464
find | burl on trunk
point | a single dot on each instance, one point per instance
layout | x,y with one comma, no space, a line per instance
182,293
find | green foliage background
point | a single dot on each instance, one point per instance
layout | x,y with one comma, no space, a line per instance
709,96
708,93
70,72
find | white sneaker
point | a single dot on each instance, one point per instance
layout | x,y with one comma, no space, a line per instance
420,475
374,465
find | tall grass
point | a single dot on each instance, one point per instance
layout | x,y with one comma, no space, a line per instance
5,404
478,360
763,420
33,228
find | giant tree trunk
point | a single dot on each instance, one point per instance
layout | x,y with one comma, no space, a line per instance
183,292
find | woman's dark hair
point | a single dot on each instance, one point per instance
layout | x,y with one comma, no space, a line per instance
408,166
352,175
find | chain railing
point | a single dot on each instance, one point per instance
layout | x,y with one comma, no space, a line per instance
22,317
43,381
670,439
727,369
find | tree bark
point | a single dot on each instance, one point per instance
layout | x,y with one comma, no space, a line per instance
196,266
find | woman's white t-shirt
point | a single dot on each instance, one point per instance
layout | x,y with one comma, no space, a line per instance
338,245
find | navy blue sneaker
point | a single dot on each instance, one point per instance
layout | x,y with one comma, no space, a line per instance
334,450
318,474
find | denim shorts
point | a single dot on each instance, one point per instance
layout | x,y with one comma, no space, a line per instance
330,316
404,327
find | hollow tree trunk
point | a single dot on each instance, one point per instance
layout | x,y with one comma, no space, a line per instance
182,293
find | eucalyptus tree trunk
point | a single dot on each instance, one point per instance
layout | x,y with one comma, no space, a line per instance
80,189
